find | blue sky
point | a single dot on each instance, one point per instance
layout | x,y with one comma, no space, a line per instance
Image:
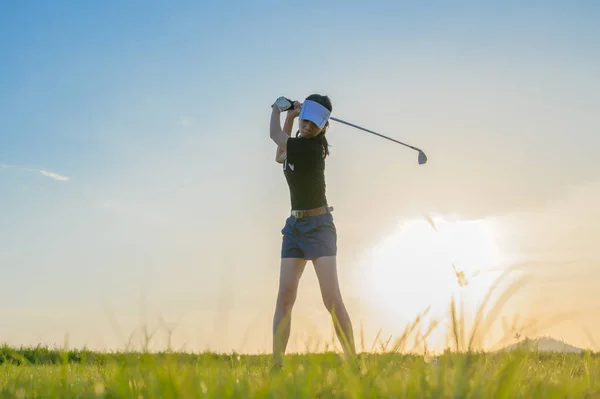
149,122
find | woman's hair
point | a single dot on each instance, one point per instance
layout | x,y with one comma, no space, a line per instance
326,102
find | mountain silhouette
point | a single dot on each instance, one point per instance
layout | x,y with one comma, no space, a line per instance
543,344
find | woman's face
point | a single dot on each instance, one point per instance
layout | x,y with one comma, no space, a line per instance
308,129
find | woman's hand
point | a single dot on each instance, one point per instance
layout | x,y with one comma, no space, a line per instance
294,112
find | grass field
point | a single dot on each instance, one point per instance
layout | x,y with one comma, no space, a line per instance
44,373
389,372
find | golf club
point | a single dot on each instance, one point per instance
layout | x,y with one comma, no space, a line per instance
422,158
285,104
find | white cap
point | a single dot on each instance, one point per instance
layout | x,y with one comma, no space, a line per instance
314,112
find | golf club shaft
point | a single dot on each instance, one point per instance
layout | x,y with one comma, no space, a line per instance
375,133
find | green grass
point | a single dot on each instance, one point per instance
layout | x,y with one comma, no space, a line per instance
460,372
40,373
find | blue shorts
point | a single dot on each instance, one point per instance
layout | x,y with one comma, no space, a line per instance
309,237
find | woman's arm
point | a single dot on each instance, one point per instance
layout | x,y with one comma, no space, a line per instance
287,129
276,131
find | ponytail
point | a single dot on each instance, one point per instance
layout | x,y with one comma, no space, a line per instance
325,144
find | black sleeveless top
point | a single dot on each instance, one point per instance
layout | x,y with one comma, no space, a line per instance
304,170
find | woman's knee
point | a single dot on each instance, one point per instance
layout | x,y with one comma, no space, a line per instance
332,301
291,270
286,296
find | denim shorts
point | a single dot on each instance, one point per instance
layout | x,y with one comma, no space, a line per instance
309,237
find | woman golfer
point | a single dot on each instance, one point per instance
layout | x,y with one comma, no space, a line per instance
309,232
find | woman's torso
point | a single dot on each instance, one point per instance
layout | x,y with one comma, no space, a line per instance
304,170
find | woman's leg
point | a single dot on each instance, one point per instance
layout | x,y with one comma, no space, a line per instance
326,270
289,277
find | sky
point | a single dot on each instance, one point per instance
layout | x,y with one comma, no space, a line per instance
138,184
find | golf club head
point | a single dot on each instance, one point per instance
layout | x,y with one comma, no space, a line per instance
422,158
284,104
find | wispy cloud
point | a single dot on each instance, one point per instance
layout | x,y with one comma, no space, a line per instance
52,175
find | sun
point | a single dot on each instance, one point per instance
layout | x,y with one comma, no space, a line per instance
426,262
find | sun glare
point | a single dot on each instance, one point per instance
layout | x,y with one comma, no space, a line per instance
424,263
